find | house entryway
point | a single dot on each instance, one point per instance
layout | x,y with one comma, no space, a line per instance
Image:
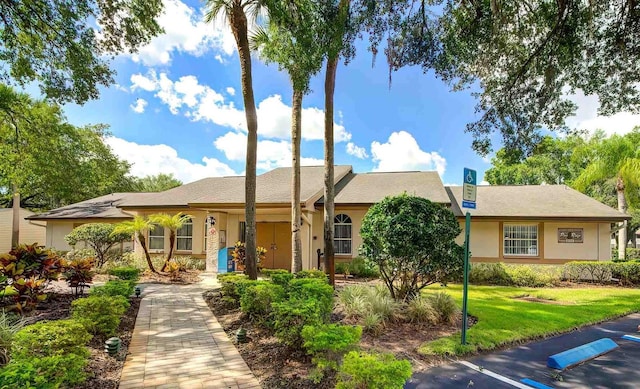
276,238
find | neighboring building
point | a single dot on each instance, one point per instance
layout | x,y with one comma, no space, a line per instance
30,231
534,218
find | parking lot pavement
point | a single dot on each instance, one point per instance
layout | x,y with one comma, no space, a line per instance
617,369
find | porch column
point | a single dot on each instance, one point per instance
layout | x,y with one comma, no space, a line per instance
211,262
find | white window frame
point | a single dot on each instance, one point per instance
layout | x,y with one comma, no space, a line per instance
153,238
188,237
342,220
510,232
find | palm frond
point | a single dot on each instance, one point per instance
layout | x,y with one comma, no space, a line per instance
259,38
214,8
596,171
630,171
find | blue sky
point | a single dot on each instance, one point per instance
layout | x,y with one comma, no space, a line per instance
177,108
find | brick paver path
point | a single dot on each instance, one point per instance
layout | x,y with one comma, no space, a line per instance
178,343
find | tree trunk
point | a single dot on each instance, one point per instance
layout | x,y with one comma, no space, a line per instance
296,211
143,243
238,21
329,189
15,225
622,207
172,243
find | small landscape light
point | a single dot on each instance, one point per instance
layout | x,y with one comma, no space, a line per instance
112,346
138,291
241,335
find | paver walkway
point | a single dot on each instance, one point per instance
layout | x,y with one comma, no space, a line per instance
178,343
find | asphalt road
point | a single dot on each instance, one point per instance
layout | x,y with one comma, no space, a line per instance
618,369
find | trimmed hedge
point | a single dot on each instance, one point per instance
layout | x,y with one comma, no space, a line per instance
50,338
115,288
126,273
100,315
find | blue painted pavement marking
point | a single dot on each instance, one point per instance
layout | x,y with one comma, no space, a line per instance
535,384
631,338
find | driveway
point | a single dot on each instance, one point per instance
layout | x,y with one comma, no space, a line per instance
505,369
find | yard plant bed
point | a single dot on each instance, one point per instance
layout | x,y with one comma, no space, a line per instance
278,366
505,320
103,371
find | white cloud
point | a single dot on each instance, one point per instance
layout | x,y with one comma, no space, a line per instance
356,151
231,91
202,103
402,152
587,118
271,154
154,159
139,106
185,31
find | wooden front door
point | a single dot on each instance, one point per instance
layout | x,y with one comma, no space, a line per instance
276,238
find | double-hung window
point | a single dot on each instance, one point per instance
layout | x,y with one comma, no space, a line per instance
520,239
184,236
156,237
342,234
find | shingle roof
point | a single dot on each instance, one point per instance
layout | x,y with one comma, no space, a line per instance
533,201
182,195
103,207
274,187
369,188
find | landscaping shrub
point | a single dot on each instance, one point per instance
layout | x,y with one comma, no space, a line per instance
514,275
343,268
327,344
9,326
374,304
282,279
310,302
115,288
317,274
445,307
420,310
44,373
28,268
101,237
256,300
100,314
372,371
270,272
361,267
190,263
594,271
412,241
127,273
627,272
78,273
50,338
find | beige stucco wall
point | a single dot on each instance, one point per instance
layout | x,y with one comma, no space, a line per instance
30,232
485,238
56,231
595,244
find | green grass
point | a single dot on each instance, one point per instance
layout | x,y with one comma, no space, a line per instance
503,320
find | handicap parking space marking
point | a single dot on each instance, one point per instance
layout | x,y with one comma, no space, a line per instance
631,338
497,376
535,384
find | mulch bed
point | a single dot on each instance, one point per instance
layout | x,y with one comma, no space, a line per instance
278,366
183,277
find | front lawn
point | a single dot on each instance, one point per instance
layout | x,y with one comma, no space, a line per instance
505,319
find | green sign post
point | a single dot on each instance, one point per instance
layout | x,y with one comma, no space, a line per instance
468,201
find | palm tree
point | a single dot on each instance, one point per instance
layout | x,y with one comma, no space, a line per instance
235,12
290,41
336,28
173,224
138,227
619,157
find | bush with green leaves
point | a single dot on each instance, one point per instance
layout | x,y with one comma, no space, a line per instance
318,274
9,325
256,300
78,273
52,372
50,338
282,279
372,306
445,307
420,310
523,275
100,315
229,290
593,271
327,343
412,241
101,237
271,272
29,268
363,268
310,302
372,371
115,288
127,273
